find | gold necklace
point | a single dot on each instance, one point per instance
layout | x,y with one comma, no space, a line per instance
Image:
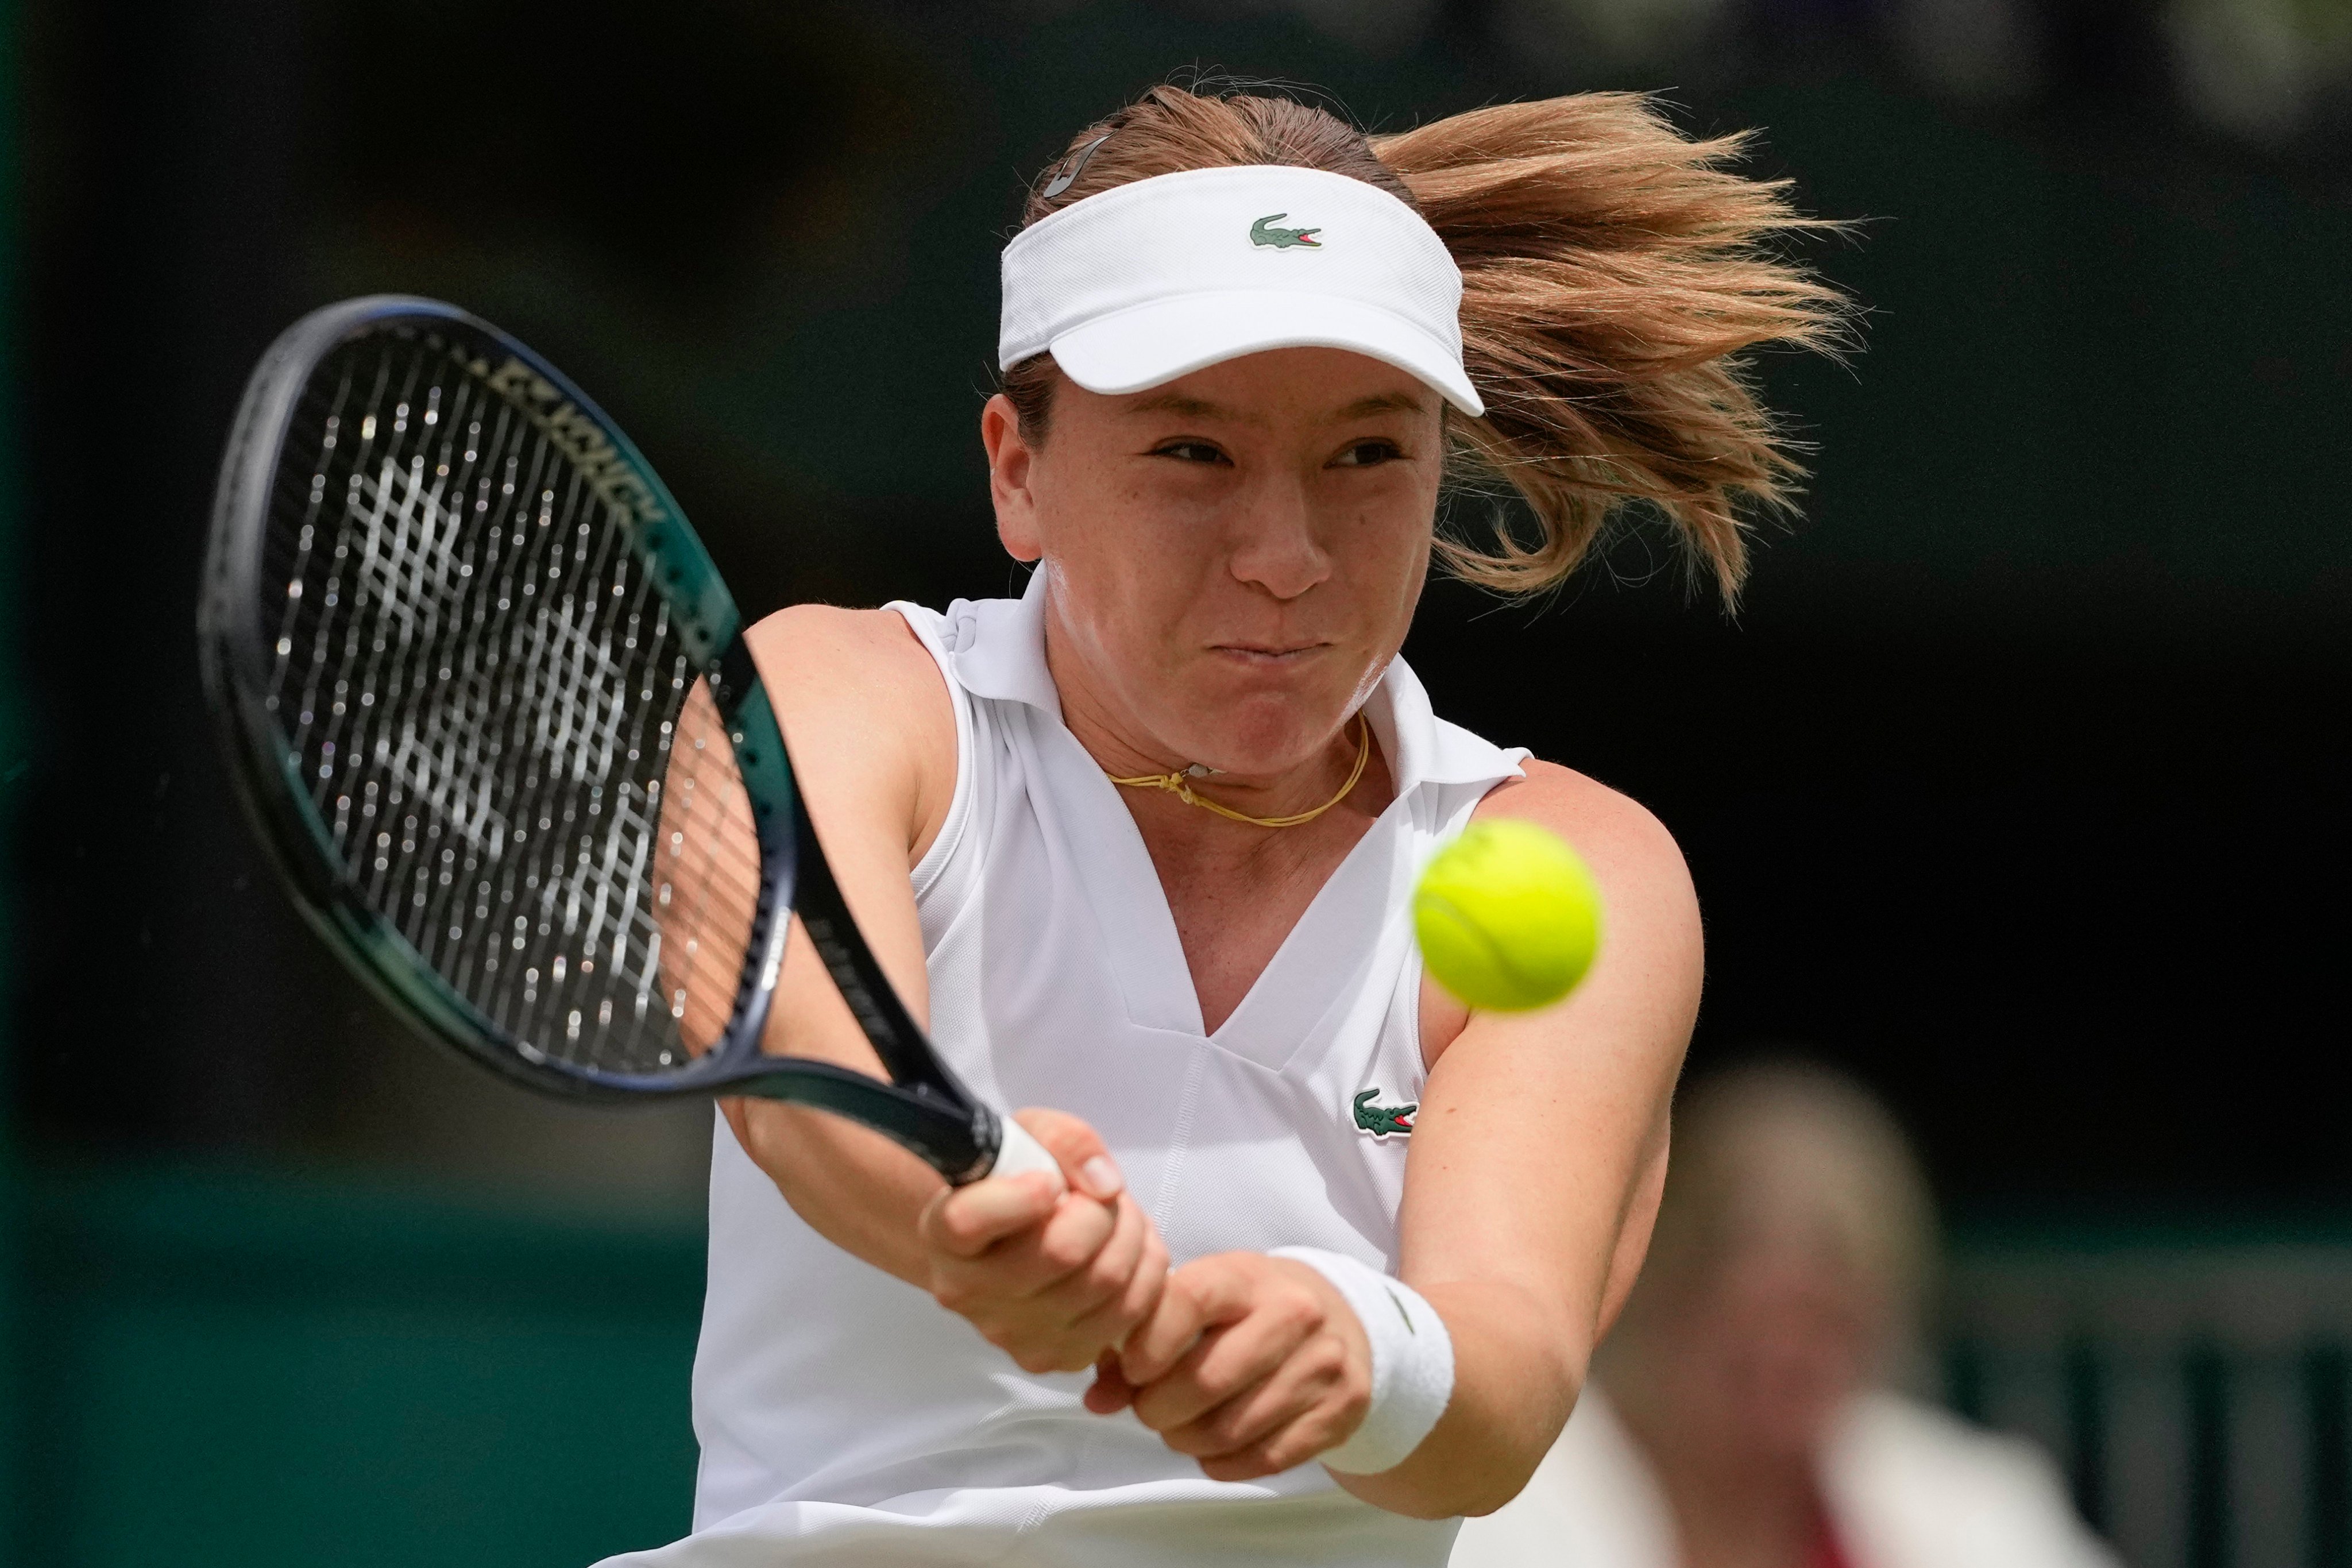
1179,784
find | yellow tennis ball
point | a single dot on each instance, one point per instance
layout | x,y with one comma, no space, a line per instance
1508,915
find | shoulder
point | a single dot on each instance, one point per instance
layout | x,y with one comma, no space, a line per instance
864,650
1652,956
866,669
1904,1476
1888,1432
863,708
1618,837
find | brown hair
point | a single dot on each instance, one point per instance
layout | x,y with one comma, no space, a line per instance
1611,272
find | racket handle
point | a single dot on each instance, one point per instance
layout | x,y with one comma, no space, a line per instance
1017,1151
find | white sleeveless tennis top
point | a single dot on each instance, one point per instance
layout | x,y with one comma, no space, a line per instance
845,1417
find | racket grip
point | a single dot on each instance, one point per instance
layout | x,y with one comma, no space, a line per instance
1017,1151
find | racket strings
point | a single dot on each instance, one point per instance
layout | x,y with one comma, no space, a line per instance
483,692
705,878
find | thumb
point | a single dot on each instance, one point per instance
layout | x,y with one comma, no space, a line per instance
1086,1161
965,1222
1205,1294
1111,1392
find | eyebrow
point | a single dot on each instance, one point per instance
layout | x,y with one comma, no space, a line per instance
1187,407
1382,402
1178,403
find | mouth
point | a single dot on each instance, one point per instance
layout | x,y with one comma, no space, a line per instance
1266,656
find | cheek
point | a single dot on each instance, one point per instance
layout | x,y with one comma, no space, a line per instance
1138,550
1091,507
1121,569
1382,549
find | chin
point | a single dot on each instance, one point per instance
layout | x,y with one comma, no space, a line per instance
1254,737
1265,720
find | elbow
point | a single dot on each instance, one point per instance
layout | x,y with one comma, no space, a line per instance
1479,1501
1447,1496
1489,1487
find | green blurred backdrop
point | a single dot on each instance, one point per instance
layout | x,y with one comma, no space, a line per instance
2016,789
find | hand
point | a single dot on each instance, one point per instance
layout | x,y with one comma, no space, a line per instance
1251,1364
1053,1280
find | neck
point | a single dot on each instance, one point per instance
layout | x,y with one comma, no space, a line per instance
1733,1507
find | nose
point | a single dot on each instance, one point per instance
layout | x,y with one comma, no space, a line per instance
1278,548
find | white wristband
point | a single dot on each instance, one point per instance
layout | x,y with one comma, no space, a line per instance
1413,1361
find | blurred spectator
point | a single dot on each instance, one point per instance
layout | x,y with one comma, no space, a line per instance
1743,1414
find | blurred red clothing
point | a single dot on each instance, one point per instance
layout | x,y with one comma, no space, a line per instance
1828,1550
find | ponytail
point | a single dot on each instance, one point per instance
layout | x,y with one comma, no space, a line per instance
1612,272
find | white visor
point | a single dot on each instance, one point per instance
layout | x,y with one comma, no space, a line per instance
1155,280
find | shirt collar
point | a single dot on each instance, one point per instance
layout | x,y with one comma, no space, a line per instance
999,647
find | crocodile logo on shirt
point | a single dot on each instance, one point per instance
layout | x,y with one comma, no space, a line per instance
1263,232
1380,1120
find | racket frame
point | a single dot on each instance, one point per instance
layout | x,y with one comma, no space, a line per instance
925,1107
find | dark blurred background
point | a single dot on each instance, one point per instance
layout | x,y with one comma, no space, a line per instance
2016,786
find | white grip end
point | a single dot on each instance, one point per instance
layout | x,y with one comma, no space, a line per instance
1017,1152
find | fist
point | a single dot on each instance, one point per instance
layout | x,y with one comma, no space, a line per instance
1053,1279
1250,1364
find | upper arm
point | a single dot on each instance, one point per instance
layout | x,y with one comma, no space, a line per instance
868,723
1540,1147
866,717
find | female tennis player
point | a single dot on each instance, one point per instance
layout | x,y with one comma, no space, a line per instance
1334,1251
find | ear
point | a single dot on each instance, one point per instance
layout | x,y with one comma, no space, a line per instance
1012,464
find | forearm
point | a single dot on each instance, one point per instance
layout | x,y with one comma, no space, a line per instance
852,1186
1516,1374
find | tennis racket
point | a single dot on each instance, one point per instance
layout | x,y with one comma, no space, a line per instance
488,701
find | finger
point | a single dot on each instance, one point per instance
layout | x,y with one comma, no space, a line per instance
1095,1301
1204,1293
1313,1374
1317,1432
1144,1287
1111,1392
1070,1242
1229,1362
1161,1339
1021,1268
964,1221
1151,1281
1086,1161
1103,1278
1109,1324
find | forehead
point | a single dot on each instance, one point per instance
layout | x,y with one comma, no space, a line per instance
1285,386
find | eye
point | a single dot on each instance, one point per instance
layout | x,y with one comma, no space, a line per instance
1368,454
1185,451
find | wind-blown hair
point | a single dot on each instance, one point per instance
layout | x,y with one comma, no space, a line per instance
1614,271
